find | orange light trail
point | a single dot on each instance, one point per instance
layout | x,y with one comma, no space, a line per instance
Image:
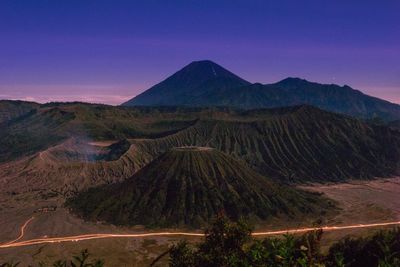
77,238
22,231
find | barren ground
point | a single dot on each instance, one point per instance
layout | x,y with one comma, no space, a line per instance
360,202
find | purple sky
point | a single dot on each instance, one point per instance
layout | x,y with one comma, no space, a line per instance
109,51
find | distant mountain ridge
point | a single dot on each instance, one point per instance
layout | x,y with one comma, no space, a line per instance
205,83
10,109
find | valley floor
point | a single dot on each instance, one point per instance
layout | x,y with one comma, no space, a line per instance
360,202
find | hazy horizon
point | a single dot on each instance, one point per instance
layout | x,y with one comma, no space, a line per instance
112,99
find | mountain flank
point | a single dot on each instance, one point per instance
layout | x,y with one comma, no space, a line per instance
295,144
188,186
395,124
13,109
53,148
187,84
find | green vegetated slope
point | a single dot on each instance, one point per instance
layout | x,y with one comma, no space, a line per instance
52,124
295,144
189,186
32,132
13,109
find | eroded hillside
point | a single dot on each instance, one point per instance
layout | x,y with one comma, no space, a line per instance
190,186
76,146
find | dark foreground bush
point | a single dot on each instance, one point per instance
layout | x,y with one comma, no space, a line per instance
229,244
382,249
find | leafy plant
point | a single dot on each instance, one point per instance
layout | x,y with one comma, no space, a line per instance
231,244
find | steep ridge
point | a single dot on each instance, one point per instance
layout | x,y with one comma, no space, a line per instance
300,144
189,186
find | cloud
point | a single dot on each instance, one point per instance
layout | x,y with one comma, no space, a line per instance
98,99
29,98
101,94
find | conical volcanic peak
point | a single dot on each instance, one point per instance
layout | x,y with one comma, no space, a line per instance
201,71
191,81
187,186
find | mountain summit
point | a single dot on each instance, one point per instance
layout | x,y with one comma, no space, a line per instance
182,87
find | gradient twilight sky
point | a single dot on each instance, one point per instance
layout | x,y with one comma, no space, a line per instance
108,51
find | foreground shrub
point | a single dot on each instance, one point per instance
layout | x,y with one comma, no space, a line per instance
230,244
381,249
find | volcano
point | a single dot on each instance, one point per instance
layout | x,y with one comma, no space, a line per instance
188,186
183,87
207,84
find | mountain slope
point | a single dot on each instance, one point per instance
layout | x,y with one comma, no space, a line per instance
186,84
13,109
189,186
52,124
294,144
294,91
71,166
395,124
198,85
32,132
